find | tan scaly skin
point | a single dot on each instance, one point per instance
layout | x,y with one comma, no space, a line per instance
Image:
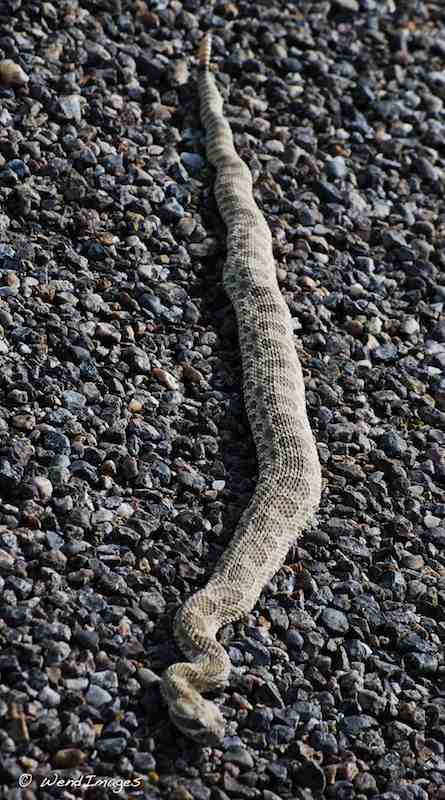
288,489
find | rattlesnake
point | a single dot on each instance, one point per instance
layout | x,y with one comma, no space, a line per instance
288,489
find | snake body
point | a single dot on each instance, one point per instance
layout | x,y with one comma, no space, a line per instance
289,483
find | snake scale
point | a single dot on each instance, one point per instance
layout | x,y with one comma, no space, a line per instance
289,483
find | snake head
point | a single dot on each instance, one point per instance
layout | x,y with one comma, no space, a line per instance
198,719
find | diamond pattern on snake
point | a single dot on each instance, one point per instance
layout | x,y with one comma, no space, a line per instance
289,483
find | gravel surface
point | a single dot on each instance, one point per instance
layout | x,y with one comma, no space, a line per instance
125,455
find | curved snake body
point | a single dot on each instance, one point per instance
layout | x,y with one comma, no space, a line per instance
288,488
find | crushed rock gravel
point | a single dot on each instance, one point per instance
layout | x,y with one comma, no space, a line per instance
125,454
